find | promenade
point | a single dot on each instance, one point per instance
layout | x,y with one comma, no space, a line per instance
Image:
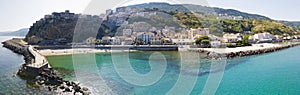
38,59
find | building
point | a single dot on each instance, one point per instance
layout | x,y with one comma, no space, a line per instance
232,38
156,40
204,32
106,39
145,37
229,17
109,12
215,44
121,9
183,41
263,37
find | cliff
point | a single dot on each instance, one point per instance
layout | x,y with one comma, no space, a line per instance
59,28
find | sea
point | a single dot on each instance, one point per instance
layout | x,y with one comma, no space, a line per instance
164,72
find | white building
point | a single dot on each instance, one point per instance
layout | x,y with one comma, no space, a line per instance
263,37
232,38
107,39
183,41
145,37
215,43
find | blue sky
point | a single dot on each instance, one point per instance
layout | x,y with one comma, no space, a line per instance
17,14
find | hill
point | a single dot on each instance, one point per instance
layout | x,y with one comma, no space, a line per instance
59,28
21,33
198,9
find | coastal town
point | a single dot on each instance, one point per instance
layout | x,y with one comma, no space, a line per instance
143,33
139,31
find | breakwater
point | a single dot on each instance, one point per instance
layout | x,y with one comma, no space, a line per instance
37,68
241,51
257,52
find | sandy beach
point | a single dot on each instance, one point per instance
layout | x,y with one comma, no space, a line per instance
55,52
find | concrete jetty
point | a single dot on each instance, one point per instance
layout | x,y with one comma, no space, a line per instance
39,61
37,67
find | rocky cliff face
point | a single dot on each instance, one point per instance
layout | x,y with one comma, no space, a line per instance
59,28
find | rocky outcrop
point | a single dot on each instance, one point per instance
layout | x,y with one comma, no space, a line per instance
16,46
59,29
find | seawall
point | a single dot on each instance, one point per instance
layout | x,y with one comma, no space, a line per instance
240,51
116,47
37,68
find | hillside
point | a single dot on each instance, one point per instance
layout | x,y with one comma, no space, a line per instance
258,26
59,28
21,33
198,9
294,24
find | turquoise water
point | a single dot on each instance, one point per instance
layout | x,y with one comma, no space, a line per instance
269,74
10,84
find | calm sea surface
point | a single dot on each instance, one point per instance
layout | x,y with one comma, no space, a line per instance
275,73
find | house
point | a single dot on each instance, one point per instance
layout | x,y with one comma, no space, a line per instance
263,37
107,39
215,44
232,38
204,32
183,41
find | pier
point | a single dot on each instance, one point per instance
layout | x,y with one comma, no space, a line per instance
38,61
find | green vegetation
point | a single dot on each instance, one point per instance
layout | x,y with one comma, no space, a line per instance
244,42
188,20
203,41
257,26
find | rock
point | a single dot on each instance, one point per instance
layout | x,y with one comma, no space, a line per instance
38,77
77,88
67,89
76,83
86,93
62,87
85,89
49,88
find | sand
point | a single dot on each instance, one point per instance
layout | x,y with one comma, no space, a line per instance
55,52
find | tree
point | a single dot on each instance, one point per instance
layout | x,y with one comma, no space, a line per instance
244,42
203,41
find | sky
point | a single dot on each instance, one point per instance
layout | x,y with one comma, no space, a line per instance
17,14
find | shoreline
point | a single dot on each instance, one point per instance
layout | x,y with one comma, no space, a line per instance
48,74
255,49
60,52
